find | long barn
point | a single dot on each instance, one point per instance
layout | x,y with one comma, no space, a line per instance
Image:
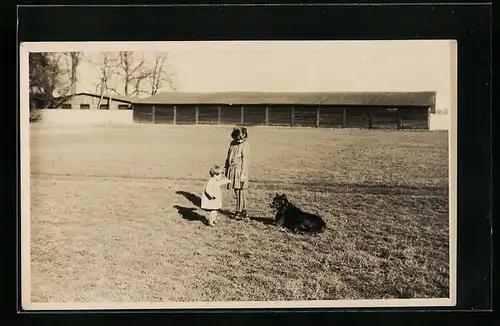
388,110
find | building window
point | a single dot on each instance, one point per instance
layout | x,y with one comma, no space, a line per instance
84,106
66,106
122,106
104,107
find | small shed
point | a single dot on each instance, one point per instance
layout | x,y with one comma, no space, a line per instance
392,110
89,101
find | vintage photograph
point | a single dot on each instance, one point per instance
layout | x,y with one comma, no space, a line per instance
238,174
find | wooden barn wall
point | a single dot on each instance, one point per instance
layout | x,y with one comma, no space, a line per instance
185,114
414,119
164,114
287,115
143,113
331,117
280,115
254,115
208,114
230,115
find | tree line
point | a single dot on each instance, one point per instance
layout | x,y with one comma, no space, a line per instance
53,76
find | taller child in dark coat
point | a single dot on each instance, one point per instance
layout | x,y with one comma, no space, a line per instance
236,168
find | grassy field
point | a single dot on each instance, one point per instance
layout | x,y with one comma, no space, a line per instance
114,216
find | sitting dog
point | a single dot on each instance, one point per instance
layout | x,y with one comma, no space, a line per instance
291,217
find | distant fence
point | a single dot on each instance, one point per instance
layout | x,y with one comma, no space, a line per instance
281,115
86,116
439,122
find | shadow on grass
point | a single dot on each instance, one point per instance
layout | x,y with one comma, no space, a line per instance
189,213
227,213
194,199
357,188
264,220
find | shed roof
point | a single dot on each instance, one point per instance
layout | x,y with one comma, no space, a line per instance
314,98
114,97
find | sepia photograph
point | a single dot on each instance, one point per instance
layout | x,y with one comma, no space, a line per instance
230,174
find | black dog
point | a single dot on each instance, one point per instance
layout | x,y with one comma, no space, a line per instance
290,216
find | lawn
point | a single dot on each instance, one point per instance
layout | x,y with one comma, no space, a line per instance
114,216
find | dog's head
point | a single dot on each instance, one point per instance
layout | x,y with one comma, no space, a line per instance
279,202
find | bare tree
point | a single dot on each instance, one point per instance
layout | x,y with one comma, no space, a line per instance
138,81
135,75
130,71
75,58
107,68
159,74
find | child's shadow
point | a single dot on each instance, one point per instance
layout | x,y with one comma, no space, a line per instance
195,200
189,213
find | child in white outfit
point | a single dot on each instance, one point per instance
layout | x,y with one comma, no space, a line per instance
211,197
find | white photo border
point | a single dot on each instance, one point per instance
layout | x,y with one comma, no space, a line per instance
26,304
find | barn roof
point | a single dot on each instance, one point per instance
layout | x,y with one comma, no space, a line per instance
314,98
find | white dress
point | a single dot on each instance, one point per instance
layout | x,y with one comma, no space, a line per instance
212,188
